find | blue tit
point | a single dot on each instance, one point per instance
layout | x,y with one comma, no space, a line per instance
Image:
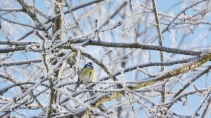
87,74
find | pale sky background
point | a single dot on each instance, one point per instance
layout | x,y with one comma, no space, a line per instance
198,38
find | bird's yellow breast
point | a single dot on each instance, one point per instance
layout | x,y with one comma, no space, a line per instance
87,74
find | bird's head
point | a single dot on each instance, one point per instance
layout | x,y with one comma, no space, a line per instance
89,65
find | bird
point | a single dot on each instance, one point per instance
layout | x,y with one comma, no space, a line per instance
86,74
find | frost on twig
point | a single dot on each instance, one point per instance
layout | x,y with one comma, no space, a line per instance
41,54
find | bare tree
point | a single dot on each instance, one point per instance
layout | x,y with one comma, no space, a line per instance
151,58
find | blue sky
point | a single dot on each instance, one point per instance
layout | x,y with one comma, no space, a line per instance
171,39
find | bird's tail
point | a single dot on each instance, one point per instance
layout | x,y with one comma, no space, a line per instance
77,84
